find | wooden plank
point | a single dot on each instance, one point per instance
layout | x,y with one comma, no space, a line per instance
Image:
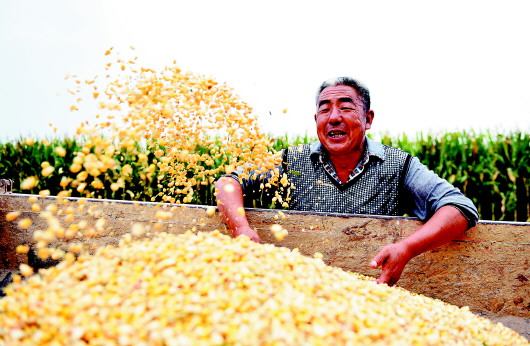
488,269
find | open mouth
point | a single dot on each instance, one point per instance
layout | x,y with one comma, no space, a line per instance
336,134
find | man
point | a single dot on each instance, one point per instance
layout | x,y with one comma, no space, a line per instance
347,172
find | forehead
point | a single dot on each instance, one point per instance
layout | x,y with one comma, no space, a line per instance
336,92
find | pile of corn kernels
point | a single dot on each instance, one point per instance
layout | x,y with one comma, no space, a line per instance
210,289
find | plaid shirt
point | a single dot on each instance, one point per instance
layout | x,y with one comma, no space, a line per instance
328,166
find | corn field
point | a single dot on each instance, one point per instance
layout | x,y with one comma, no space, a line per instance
491,169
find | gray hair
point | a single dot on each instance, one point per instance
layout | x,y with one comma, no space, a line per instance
363,92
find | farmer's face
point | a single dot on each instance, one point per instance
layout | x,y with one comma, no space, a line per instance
341,120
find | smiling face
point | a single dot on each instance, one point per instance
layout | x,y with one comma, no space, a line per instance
341,120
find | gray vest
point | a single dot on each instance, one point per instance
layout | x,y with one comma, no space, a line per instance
378,190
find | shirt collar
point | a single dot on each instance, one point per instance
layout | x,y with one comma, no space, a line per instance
373,148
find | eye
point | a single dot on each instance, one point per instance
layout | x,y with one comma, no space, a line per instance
346,109
324,111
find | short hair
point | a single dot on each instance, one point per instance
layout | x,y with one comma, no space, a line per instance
363,91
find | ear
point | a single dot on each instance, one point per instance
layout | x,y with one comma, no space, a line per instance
369,119
315,116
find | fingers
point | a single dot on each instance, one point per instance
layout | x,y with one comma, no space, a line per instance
391,266
380,258
249,233
391,272
389,275
385,278
255,238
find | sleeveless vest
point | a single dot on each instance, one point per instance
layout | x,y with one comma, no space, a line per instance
377,190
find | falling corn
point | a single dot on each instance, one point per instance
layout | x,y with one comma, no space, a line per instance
210,211
278,231
24,223
138,230
210,289
22,249
172,113
28,183
60,151
12,215
26,270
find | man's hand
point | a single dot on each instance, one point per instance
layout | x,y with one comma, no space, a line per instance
249,232
446,224
392,258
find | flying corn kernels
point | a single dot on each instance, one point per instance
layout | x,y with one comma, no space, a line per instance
28,183
22,249
60,151
26,270
278,231
24,223
12,215
210,211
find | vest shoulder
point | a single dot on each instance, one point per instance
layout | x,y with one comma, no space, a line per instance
298,150
393,151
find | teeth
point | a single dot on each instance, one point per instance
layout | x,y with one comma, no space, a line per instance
335,133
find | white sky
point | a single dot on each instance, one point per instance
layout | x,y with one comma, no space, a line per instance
429,65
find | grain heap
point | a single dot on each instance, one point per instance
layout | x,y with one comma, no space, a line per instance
209,289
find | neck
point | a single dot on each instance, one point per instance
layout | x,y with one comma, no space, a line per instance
346,161
344,164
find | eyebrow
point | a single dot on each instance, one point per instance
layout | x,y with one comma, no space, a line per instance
342,99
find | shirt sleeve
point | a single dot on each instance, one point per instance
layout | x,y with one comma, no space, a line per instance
429,192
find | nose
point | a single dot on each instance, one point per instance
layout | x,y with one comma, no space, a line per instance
335,116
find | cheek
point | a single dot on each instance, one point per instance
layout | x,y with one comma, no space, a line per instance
320,124
355,123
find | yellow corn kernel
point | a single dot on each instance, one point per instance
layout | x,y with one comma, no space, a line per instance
60,151
164,215
28,183
74,168
138,230
46,171
278,231
22,249
12,215
26,270
24,223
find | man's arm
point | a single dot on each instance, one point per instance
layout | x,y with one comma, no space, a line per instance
229,196
447,211
445,225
